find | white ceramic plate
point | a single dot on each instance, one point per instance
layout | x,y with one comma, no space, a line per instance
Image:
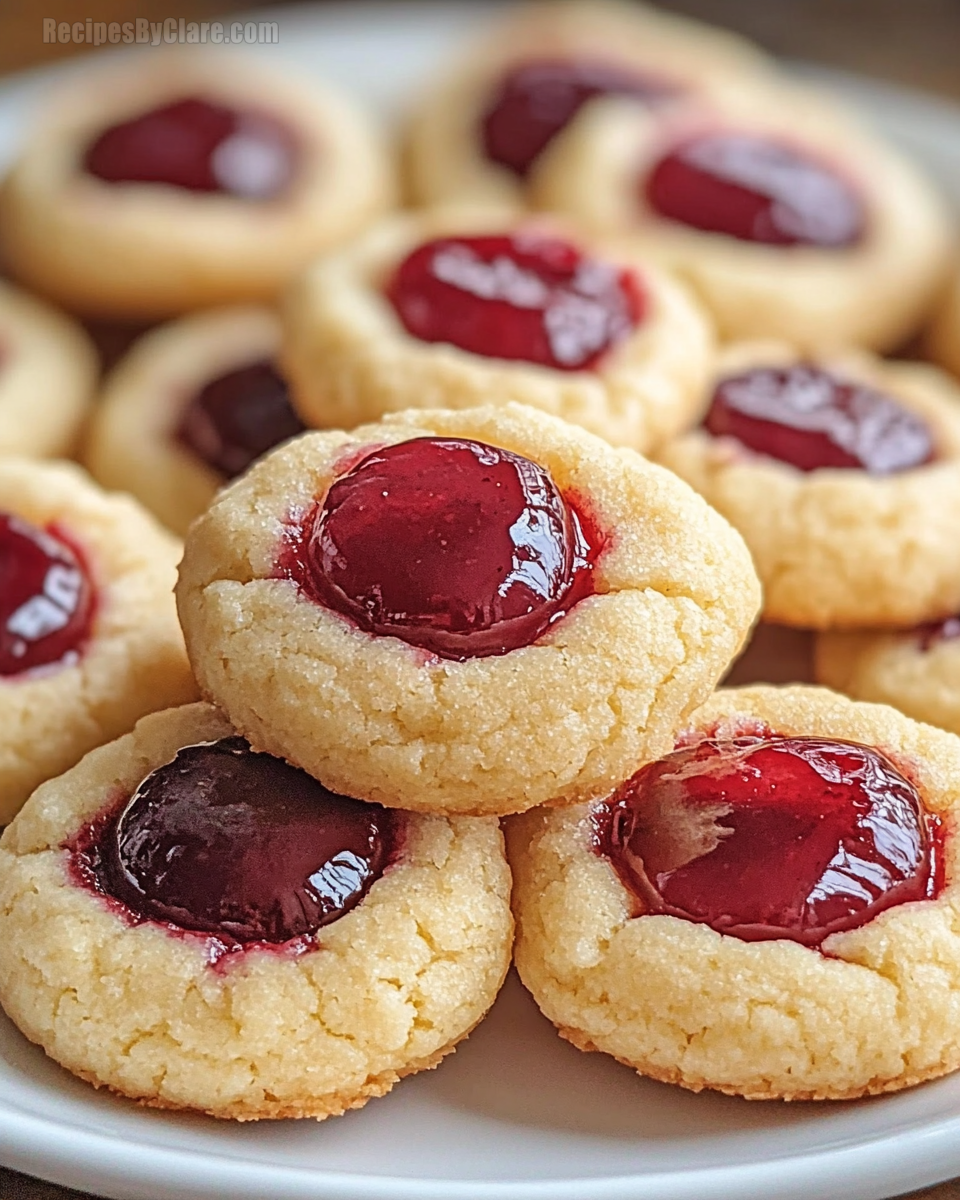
516,1114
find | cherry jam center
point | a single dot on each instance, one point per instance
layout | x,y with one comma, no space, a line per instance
237,417
806,417
457,547
771,837
524,297
537,99
756,189
241,845
47,599
198,145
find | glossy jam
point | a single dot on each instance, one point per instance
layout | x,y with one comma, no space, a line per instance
804,416
47,599
756,189
239,845
535,100
933,632
238,417
771,837
198,145
454,546
524,297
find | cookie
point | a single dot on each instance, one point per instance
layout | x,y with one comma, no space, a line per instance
917,671
185,180
528,614
842,472
470,307
190,406
768,911
297,955
48,373
786,217
476,134
89,639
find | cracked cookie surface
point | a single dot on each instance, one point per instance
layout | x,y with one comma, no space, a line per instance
559,720
390,987
876,1011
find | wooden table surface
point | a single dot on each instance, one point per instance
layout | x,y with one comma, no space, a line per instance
913,43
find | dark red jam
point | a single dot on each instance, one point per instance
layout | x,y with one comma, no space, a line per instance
772,837
457,547
804,416
198,145
238,417
756,189
938,631
47,599
239,845
535,100
523,297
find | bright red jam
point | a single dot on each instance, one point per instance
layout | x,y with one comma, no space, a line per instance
756,189
457,547
47,598
772,837
536,99
524,297
807,417
237,417
201,146
239,845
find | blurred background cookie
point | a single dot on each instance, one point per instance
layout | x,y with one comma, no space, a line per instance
48,375
181,180
190,407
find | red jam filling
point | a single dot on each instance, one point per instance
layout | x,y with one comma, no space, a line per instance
523,297
806,417
239,845
938,631
537,99
198,145
47,599
457,547
238,417
772,837
756,189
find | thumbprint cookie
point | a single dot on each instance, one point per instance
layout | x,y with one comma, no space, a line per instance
478,133
190,407
768,910
462,612
196,926
175,181
454,309
48,373
89,639
842,472
786,217
915,670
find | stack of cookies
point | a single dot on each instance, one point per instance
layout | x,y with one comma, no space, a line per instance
440,630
